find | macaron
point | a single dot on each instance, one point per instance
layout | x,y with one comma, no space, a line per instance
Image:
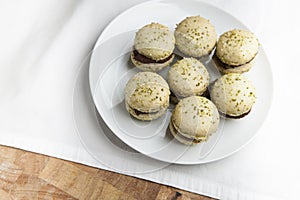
153,47
147,96
234,95
236,51
195,36
193,120
187,77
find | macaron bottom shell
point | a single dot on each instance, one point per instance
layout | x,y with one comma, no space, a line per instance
151,66
185,140
226,69
228,116
143,115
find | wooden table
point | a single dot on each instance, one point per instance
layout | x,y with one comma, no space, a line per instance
26,175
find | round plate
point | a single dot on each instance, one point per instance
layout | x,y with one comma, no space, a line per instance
110,69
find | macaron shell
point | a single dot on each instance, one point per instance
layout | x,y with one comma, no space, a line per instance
240,69
151,67
237,47
195,117
155,41
147,92
195,36
188,77
233,94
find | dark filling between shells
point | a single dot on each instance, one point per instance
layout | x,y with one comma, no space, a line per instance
206,94
235,117
143,59
137,112
173,98
226,66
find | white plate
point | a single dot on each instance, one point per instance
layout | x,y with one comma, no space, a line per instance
110,69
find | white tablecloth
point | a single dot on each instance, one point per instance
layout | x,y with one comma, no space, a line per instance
44,44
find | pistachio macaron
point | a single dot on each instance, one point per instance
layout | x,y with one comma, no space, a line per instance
195,36
147,96
234,95
236,51
193,120
153,47
187,77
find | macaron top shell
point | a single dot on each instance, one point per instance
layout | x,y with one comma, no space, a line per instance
188,77
155,41
147,92
195,117
233,94
237,47
195,36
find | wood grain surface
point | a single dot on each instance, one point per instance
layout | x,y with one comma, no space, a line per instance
26,175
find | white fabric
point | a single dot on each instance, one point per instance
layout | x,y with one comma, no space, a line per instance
43,44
